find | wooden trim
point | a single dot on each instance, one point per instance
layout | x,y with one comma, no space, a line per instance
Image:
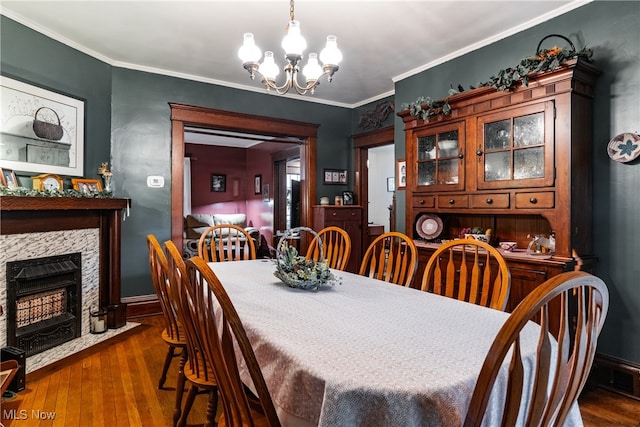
230,120
374,138
361,143
142,306
199,116
617,375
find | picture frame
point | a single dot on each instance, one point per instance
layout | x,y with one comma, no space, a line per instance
8,178
401,173
334,176
257,184
347,198
218,183
265,193
86,185
391,184
42,132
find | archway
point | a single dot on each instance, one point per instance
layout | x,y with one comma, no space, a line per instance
187,115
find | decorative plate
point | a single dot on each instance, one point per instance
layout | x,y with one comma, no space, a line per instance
429,226
624,147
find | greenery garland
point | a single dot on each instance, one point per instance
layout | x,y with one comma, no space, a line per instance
21,191
544,60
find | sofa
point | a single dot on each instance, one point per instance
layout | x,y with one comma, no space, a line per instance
196,224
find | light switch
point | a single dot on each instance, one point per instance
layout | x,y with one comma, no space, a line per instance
155,181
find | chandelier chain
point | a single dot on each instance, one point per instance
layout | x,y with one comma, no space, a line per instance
291,12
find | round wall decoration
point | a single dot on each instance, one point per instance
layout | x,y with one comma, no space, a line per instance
429,226
624,147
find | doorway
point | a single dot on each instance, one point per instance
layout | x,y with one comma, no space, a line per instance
186,115
362,143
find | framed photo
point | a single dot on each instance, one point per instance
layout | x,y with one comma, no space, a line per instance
401,173
391,184
8,178
257,184
347,198
218,183
334,176
265,193
42,131
86,185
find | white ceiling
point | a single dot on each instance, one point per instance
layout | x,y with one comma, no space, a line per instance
381,41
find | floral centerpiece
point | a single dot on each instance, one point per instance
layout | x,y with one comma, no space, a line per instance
295,270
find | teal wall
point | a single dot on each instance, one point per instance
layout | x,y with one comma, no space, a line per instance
611,29
141,146
29,56
127,121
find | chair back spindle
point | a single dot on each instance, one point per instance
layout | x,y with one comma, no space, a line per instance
391,257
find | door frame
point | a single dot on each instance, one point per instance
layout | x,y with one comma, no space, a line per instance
361,144
187,115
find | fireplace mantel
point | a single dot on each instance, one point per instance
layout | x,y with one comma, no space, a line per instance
20,215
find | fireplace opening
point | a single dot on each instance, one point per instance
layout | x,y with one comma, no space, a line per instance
44,302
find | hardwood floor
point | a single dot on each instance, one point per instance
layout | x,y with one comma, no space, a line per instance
116,384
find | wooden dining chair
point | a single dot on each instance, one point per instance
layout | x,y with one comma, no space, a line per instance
469,270
198,369
391,257
559,375
226,242
336,247
173,333
220,323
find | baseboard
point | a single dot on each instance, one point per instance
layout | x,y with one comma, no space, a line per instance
617,375
142,306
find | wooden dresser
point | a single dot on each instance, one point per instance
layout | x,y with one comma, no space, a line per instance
349,218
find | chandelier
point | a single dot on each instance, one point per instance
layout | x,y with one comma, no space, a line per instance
294,45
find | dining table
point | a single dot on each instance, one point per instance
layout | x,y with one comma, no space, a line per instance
364,352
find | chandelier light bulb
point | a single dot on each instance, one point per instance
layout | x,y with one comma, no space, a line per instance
293,43
312,71
268,68
249,52
331,55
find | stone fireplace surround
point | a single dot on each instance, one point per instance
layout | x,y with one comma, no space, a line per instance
35,227
18,247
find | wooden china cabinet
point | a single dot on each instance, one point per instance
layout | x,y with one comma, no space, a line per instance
517,162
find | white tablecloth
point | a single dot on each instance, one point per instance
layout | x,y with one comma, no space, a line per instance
363,352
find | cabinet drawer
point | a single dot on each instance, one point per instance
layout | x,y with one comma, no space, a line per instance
542,200
341,214
496,200
419,202
453,201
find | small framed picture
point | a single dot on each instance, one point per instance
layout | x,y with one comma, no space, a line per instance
8,178
257,184
347,198
86,185
265,193
391,184
334,176
401,173
218,183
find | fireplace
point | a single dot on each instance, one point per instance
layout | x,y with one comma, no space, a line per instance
39,227
44,302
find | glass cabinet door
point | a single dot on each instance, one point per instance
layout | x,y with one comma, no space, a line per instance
515,147
439,154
